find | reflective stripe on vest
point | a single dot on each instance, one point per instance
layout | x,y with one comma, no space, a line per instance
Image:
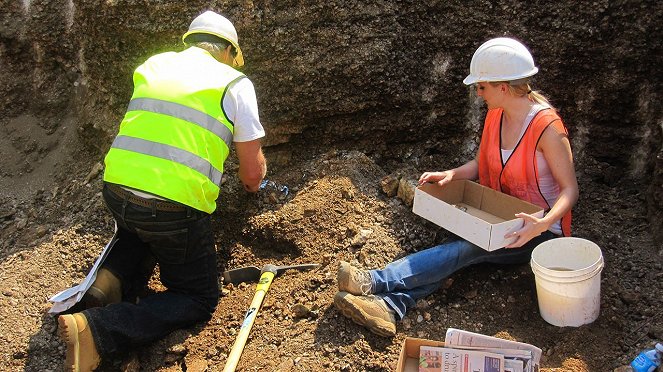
185,113
519,177
171,153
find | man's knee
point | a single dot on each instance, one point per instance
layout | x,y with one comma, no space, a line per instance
209,303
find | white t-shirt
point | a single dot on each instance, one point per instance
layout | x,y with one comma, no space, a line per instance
241,106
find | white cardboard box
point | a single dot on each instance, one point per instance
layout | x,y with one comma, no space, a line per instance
474,212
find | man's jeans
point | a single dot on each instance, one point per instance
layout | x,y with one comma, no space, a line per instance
402,282
183,245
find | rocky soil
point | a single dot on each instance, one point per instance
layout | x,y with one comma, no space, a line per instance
350,92
335,210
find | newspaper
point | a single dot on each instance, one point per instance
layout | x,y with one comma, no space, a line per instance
438,359
512,357
513,365
69,297
529,355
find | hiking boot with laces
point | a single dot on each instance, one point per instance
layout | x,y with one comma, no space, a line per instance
106,289
354,280
369,311
81,354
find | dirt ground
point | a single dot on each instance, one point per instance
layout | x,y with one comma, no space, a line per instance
335,209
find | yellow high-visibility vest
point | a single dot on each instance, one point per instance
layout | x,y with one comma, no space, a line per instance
175,136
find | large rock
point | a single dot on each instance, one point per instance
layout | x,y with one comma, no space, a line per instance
406,188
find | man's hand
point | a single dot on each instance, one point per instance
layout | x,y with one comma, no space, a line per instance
252,164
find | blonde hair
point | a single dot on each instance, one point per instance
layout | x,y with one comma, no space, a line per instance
520,88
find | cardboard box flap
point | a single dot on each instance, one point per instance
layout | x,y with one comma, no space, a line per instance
409,358
458,194
505,206
451,193
472,195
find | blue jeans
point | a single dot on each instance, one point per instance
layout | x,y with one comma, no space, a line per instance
404,281
183,245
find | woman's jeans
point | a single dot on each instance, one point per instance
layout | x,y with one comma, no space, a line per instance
183,245
402,282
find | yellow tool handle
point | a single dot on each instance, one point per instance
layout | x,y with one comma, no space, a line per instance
236,352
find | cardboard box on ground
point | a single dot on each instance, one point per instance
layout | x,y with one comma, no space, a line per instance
515,356
474,212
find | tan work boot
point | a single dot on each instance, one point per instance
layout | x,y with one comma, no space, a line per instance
353,280
368,311
81,355
106,289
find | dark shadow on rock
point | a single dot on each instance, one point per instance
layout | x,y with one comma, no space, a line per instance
44,346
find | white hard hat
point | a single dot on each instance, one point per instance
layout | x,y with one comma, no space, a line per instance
212,23
501,59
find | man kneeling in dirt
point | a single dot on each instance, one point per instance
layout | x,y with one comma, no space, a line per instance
161,182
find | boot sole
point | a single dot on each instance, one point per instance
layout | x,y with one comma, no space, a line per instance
362,318
68,330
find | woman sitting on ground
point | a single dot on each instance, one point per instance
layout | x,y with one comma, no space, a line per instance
524,152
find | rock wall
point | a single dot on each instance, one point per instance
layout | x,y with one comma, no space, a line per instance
382,77
655,192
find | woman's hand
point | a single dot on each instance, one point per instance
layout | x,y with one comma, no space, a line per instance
533,227
441,178
467,171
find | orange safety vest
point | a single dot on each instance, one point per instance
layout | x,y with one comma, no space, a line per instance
519,177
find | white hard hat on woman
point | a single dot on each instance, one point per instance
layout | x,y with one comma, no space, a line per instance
501,59
211,23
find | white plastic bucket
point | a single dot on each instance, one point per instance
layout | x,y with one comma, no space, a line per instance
568,281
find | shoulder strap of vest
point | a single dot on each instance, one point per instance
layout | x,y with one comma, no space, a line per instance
493,115
223,96
546,117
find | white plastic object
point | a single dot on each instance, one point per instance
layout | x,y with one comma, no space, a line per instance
500,59
567,272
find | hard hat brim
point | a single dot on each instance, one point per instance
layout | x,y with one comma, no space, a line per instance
472,79
239,58
469,80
